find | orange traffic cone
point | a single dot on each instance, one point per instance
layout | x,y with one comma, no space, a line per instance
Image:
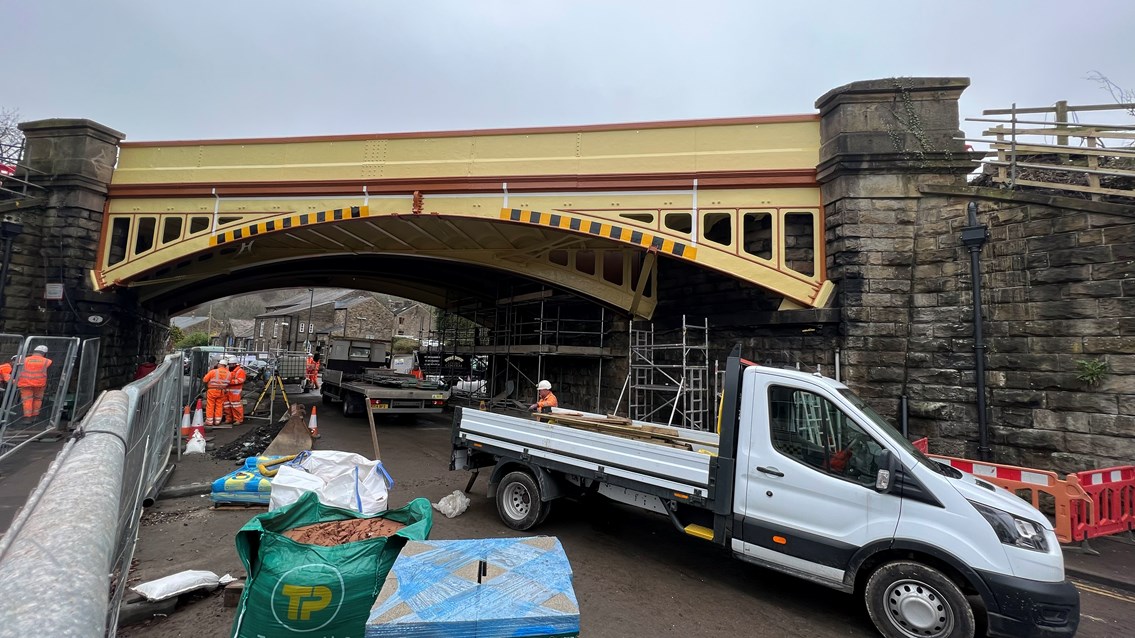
313,424
186,428
199,419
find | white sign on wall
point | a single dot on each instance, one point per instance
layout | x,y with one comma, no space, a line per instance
53,291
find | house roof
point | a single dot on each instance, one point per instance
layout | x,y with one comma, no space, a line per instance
408,307
342,300
321,296
242,328
301,303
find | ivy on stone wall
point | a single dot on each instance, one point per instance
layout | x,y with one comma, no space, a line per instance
909,124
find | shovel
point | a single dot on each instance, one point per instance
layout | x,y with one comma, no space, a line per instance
294,437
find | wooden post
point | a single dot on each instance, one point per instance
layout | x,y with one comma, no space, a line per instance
1093,163
1062,121
373,431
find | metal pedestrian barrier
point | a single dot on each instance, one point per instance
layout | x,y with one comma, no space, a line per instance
86,379
73,541
1065,493
31,413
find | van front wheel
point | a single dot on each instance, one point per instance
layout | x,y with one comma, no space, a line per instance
911,600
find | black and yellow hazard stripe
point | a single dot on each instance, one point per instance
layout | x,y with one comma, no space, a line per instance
601,229
251,231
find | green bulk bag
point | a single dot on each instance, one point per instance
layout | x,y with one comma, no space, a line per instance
311,590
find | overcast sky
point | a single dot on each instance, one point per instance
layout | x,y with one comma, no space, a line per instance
158,70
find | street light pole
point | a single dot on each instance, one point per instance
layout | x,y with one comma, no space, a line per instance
974,236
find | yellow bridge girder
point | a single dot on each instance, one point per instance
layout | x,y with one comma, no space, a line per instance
589,209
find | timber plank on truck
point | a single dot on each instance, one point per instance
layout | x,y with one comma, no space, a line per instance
634,459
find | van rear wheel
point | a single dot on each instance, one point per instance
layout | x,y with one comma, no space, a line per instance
518,501
911,600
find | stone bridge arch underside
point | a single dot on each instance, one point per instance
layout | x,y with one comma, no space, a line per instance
453,219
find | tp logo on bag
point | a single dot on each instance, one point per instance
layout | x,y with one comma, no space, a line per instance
308,597
304,601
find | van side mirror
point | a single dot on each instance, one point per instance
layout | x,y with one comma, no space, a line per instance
888,466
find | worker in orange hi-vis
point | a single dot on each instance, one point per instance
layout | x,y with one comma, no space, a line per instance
234,402
545,400
6,373
312,372
217,386
32,381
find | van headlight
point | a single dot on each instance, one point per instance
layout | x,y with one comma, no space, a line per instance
1013,530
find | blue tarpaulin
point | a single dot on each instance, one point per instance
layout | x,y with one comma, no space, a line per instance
483,588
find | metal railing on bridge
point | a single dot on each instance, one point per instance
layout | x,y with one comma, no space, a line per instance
74,539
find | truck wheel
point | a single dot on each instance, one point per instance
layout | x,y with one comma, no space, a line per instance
518,501
910,600
348,405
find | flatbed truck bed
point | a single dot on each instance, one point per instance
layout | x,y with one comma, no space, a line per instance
384,392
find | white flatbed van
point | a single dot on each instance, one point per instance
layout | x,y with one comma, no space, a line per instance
804,478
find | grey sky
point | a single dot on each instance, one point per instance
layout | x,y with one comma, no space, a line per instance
159,69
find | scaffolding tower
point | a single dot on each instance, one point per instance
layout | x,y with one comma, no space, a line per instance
668,382
517,334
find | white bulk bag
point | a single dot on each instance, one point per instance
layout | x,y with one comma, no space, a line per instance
341,479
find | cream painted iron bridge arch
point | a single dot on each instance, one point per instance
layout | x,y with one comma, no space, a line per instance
590,209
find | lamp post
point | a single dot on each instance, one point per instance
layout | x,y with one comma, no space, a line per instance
974,237
310,303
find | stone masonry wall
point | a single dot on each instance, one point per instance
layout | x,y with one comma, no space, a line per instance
1054,276
1061,291
73,161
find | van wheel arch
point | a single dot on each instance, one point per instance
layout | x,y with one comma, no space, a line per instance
551,487
863,566
871,557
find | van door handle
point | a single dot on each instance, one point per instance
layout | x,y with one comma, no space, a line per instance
770,470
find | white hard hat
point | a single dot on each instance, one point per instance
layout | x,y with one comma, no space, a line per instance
40,349
223,361
544,385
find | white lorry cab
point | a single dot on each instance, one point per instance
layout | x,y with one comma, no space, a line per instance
804,478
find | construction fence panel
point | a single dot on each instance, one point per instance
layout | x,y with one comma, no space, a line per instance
31,412
1064,493
201,360
9,396
153,427
86,379
1111,509
98,484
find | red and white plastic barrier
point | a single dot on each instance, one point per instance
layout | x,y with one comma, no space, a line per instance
1112,505
1065,493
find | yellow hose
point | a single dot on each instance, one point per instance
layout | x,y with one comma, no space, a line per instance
263,467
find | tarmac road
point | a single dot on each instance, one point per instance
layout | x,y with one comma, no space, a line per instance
634,575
